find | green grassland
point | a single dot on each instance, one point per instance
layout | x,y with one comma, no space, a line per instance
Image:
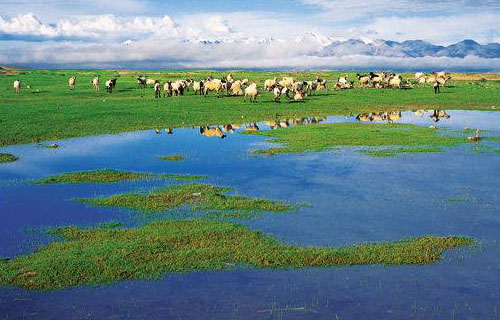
111,175
172,157
200,196
92,256
327,135
48,110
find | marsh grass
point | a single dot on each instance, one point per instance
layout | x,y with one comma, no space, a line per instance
49,111
183,177
396,151
7,157
93,256
173,157
328,135
102,175
199,196
111,175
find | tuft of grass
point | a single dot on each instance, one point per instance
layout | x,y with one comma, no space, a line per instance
395,151
7,157
183,177
327,135
49,146
93,256
200,196
173,157
102,175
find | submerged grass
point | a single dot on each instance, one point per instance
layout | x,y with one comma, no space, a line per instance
95,256
323,136
7,157
395,151
111,175
173,157
183,177
200,196
50,111
102,175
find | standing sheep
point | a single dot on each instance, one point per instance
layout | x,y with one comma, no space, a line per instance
167,89
198,87
212,85
96,83
252,92
17,86
157,90
72,82
269,84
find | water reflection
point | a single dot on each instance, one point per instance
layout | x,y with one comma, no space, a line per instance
392,116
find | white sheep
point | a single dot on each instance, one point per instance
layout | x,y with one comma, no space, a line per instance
212,85
269,84
252,92
198,86
17,86
72,82
96,83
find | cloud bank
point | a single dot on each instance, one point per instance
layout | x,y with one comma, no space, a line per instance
253,39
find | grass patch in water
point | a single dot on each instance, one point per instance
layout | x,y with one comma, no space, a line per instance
327,135
173,157
7,157
395,151
93,256
49,146
183,177
102,175
200,196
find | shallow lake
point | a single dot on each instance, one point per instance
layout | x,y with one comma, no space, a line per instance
355,198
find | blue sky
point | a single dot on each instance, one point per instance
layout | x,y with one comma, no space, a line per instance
80,26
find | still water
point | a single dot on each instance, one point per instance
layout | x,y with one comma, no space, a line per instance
355,198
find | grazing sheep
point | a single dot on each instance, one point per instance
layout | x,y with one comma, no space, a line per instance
177,88
422,80
269,84
297,86
229,78
110,84
310,86
244,82
17,86
252,92
236,89
364,79
321,83
167,89
377,79
96,83
394,81
287,82
150,82
157,90
277,93
212,85
299,95
419,75
198,86
141,82
212,132
72,82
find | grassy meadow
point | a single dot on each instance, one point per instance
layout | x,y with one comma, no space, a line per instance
48,110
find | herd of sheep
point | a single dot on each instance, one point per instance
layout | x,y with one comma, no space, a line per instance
290,87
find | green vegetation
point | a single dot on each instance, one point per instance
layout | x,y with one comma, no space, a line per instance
395,151
184,177
102,175
50,111
101,255
199,195
7,157
327,135
173,157
49,146
110,175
